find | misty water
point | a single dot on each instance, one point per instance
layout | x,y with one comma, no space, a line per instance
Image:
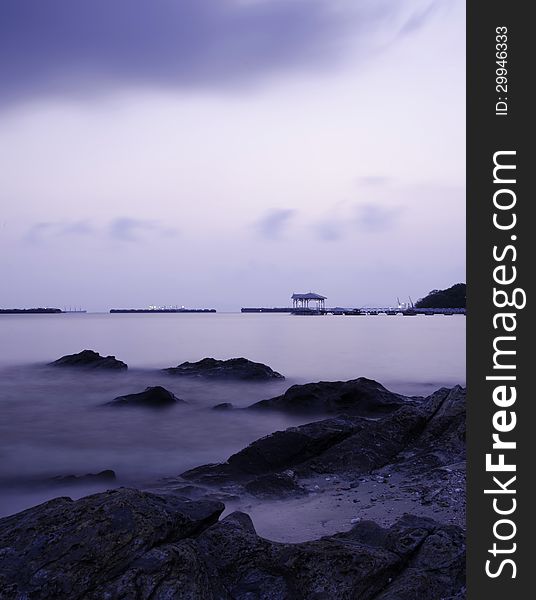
53,422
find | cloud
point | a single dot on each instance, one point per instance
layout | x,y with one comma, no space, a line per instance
43,231
58,44
38,231
81,46
76,228
329,230
126,229
274,223
373,217
122,229
421,16
345,218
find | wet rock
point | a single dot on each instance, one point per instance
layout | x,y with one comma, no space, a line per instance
223,406
443,440
88,359
420,444
363,397
234,368
192,492
441,552
367,562
343,444
152,397
131,544
279,451
373,446
105,476
275,485
114,544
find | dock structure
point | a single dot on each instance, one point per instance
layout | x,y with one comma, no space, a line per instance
264,309
361,312
300,303
312,303
405,312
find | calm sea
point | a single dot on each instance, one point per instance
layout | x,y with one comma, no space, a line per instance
52,421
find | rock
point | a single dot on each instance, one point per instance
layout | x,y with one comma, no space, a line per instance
234,368
416,558
461,595
152,397
275,485
441,552
103,477
343,444
372,446
443,440
278,451
131,544
363,397
192,492
223,406
88,359
418,444
98,546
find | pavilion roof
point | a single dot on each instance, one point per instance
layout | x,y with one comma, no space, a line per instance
308,296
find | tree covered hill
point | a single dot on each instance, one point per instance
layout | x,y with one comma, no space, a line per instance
453,297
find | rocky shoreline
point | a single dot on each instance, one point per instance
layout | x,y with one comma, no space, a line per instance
131,544
412,460
367,502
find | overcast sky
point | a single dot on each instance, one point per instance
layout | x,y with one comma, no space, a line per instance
226,153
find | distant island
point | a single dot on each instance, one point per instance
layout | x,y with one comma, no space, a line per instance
453,297
29,311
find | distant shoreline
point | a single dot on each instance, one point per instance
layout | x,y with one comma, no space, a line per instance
162,310
30,311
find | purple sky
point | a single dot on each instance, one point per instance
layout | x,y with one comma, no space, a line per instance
226,153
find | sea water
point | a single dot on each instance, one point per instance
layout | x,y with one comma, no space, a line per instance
53,422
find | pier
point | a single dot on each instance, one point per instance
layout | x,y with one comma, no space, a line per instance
360,312
312,304
266,310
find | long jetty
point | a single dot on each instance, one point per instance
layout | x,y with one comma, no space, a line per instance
374,311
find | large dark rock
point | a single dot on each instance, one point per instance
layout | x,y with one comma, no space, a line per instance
275,485
416,558
372,446
85,549
152,397
234,368
89,359
131,544
279,451
436,567
362,396
419,438
338,445
443,439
